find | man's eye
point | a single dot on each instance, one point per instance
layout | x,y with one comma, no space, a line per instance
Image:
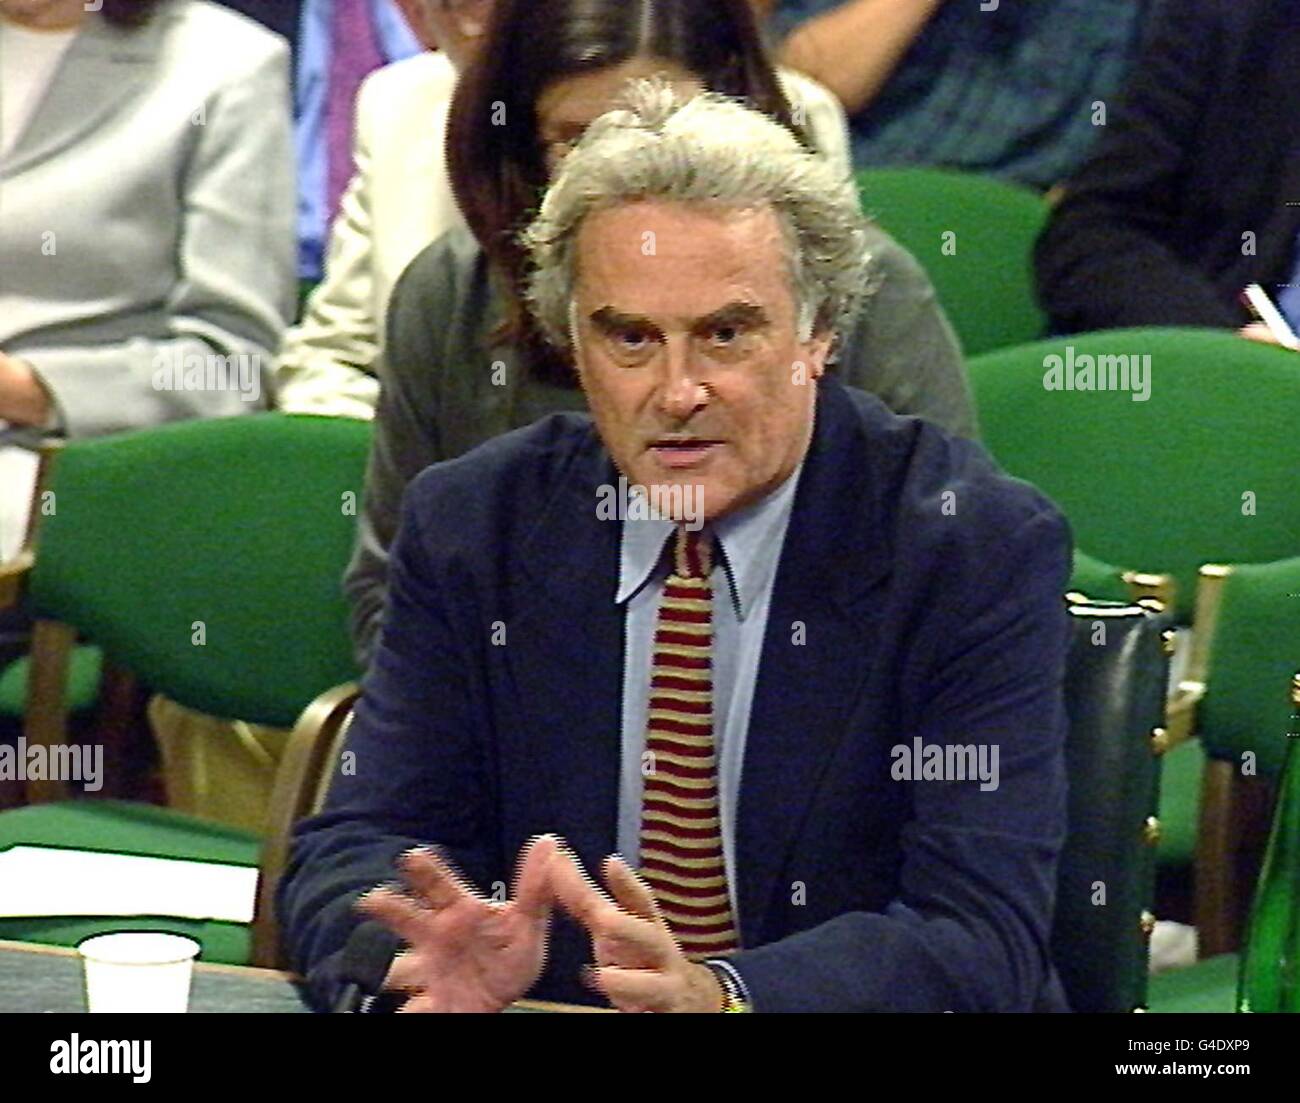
725,335
633,340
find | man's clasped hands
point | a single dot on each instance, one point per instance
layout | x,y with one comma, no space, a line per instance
465,952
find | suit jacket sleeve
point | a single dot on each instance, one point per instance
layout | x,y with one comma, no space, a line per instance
1109,256
235,289
901,347
327,362
969,927
415,771
406,438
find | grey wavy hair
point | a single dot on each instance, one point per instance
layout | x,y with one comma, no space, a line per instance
705,149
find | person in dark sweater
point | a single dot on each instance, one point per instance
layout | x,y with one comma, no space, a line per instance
1193,191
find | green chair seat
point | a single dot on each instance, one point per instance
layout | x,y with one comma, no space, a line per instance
83,682
1207,986
123,828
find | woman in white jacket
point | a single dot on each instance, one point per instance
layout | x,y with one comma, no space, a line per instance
147,233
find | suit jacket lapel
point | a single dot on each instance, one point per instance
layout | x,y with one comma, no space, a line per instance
816,653
565,655
109,66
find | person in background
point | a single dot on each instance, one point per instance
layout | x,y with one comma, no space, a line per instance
400,200
340,43
1005,87
1193,193
146,238
716,693
462,360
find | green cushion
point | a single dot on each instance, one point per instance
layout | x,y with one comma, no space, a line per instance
182,552
1256,651
83,682
129,829
1209,985
974,236
1202,471
1180,800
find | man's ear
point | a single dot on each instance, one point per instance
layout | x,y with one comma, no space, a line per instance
817,351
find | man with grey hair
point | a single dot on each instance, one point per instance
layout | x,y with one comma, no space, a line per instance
755,680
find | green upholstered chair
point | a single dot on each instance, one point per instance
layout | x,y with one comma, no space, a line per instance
206,557
1249,624
974,236
1202,470
1114,695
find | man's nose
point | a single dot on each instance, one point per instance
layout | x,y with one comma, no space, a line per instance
683,388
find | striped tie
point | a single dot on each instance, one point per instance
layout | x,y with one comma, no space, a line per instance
681,839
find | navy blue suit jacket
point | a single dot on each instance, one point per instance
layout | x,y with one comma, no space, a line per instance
918,595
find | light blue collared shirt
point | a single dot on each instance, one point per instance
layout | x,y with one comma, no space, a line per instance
751,540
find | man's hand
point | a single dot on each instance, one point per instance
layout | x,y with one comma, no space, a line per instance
1258,331
23,399
639,966
466,953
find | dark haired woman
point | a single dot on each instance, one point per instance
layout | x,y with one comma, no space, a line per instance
463,361
146,167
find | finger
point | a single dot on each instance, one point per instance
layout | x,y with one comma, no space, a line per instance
577,893
532,882
434,880
630,892
634,989
398,912
633,942
405,974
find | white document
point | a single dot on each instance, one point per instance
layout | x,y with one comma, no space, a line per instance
50,881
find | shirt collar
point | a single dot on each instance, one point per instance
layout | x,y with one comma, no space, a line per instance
750,539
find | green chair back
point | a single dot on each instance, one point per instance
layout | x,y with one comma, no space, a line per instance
1256,650
974,236
1204,470
206,557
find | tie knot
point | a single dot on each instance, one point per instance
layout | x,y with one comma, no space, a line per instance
693,554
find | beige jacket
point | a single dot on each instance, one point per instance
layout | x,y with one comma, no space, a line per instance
398,202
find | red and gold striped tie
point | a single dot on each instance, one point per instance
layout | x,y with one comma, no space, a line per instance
681,831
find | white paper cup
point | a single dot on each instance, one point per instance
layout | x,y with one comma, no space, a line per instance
138,971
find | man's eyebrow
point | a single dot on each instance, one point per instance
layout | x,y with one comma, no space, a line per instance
738,314
608,320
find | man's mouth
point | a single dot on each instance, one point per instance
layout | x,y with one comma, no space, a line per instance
683,451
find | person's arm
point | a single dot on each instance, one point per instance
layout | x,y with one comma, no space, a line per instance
234,294
406,436
855,48
1106,257
901,347
327,362
414,771
969,927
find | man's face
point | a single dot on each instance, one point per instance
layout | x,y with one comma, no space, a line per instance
454,26
686,343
